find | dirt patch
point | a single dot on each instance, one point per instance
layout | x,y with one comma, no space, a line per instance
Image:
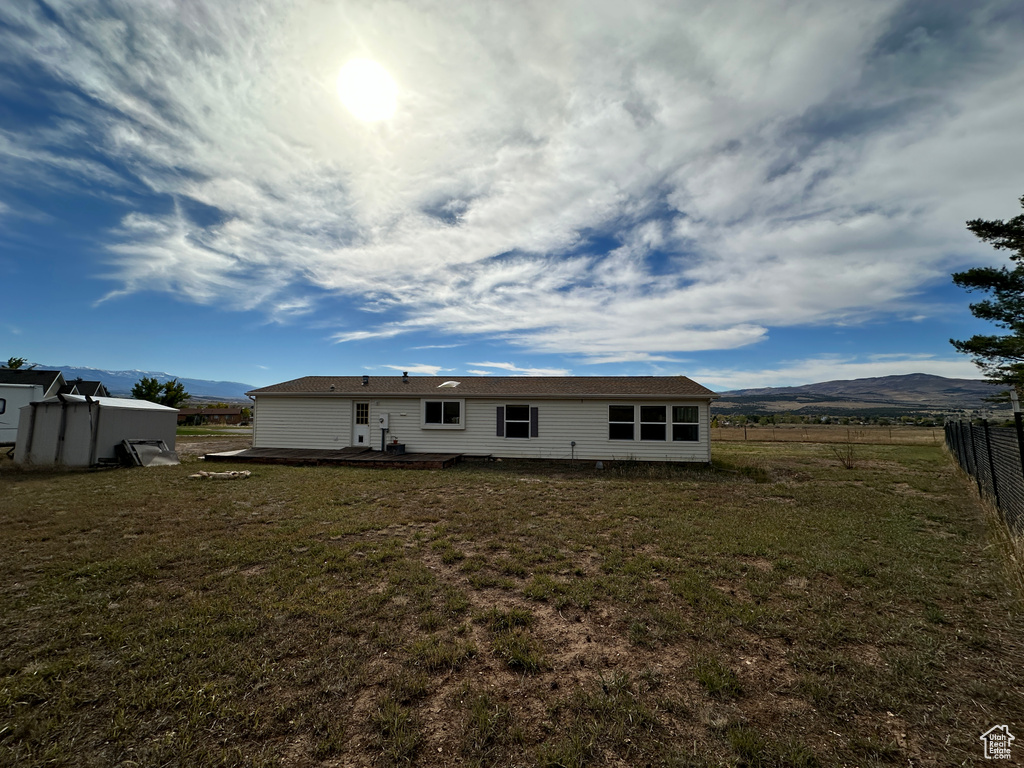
199,445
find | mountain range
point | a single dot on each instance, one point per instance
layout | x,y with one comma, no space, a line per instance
907,393
120,383
914,392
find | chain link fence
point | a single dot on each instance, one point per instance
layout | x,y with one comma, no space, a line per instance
992,456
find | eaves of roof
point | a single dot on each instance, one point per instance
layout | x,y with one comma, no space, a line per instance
547,388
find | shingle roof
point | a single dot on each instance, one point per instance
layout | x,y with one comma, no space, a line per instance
91,388
30,377
492,386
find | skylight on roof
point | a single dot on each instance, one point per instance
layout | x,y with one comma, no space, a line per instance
450,384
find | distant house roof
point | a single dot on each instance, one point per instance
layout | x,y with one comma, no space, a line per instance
492,386
79,387
31,377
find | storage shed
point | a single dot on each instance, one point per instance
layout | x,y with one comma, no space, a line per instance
78,431
648,418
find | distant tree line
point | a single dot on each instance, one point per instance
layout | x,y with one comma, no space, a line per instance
773,419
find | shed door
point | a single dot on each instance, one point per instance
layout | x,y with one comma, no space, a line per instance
361,425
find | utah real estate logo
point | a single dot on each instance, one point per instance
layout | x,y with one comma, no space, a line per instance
997,741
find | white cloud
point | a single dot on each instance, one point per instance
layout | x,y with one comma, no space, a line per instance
520,371
419,369
759,165
792,373
384,333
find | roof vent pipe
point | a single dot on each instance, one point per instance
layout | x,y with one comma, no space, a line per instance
366,380
405,377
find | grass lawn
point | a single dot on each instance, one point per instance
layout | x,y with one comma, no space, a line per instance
779,610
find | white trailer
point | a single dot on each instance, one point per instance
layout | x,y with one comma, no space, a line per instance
14,398
18,388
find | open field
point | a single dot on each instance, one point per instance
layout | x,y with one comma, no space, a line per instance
778,610
831,433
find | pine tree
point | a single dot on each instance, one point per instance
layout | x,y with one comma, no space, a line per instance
1000,357
170,393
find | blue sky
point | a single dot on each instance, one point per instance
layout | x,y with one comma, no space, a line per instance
749,193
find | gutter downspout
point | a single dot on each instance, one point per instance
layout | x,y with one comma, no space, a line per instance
253,419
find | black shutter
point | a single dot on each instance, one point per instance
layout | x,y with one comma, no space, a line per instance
501,421
534,419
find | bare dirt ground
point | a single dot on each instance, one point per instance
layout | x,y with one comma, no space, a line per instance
199,445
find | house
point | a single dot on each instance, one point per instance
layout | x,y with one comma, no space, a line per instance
19,388
210,415
80,387
79,431
649,418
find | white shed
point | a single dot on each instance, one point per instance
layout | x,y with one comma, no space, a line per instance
77,431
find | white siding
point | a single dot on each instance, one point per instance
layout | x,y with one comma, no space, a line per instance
304,422
325,422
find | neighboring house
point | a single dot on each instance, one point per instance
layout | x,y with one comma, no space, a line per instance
85,388
197,416
18,388
651,418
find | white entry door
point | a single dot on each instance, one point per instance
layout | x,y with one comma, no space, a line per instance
361,425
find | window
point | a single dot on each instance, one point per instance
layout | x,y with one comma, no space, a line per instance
517,421
362,413
620,422
442,414
685,423
652,422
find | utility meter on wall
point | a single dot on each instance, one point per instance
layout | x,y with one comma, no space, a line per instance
382,421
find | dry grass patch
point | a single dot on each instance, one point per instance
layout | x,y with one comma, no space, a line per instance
777,609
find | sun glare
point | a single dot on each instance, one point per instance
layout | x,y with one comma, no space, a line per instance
367,90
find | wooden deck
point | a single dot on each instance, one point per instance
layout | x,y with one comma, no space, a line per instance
344,457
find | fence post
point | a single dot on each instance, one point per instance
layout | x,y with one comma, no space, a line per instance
1020,439
974,455
991,464
965,460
